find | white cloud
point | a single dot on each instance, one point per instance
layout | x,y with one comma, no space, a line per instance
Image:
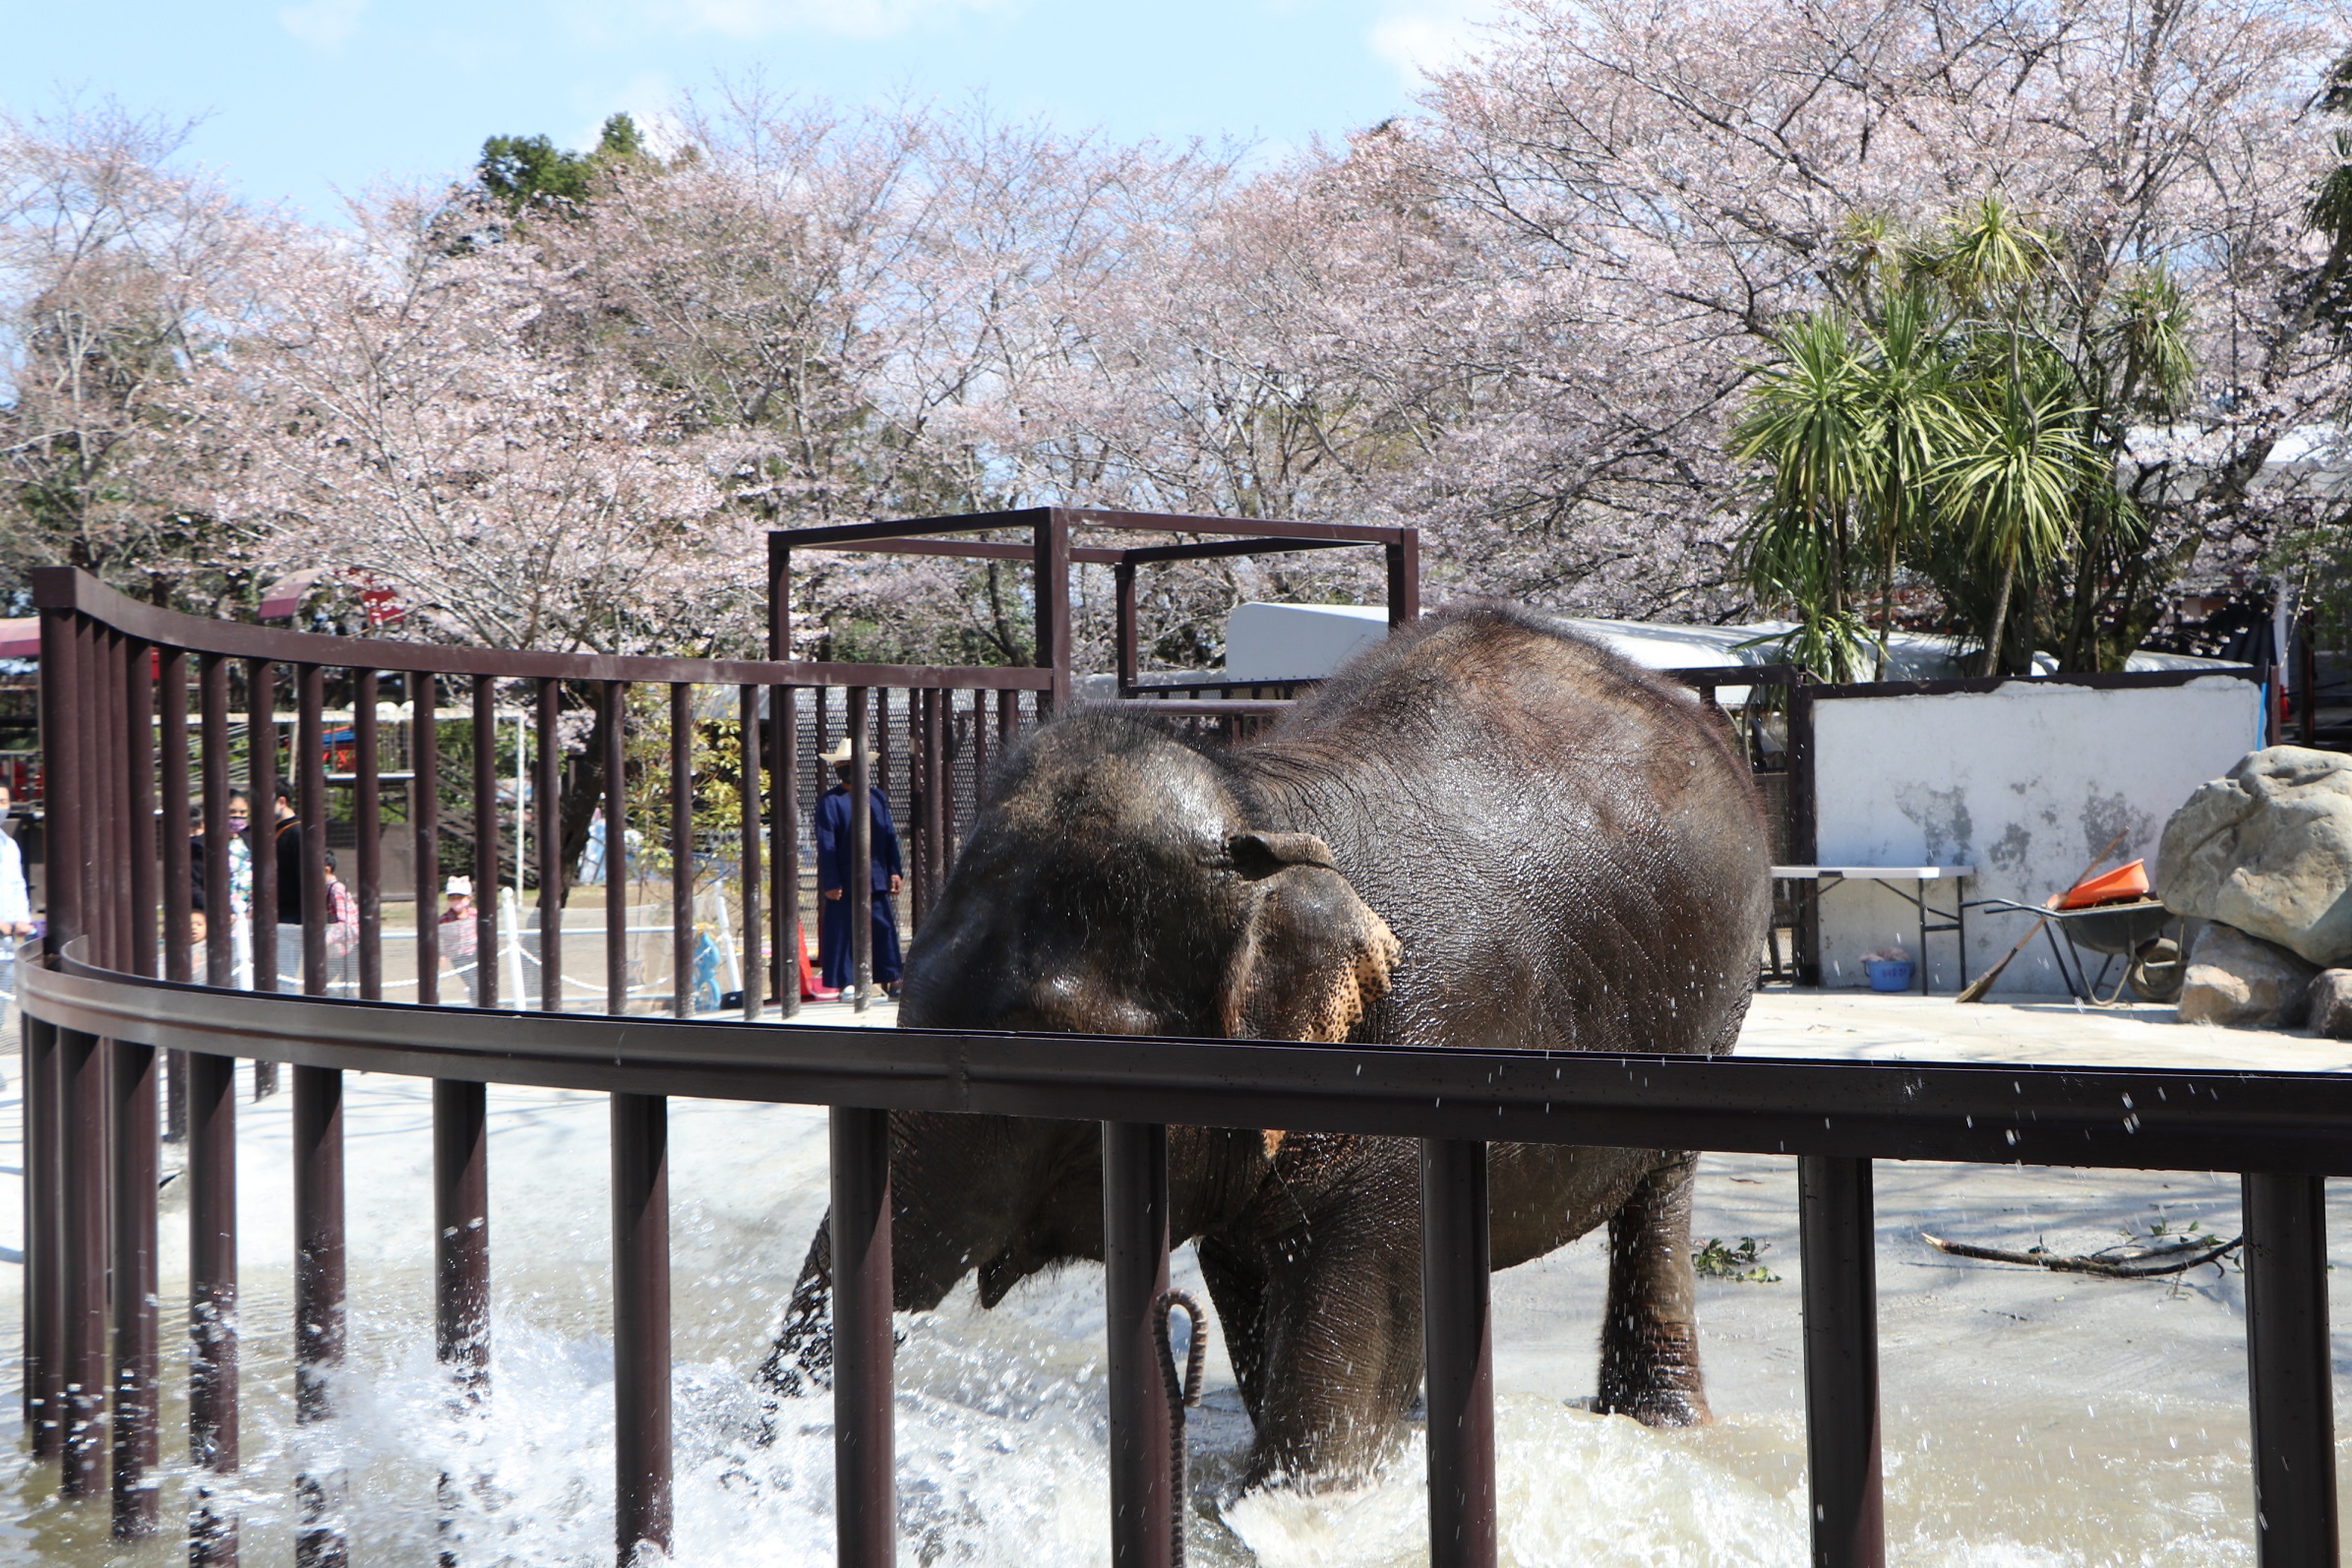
324,25
1420,37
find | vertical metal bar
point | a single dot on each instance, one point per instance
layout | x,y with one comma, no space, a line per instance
45,1229
949,842
936,782
980,747
641,1322
1404,562
310,784
424,811
179,926
1143,1513
2288,1362
755,974
1052,607
136,1392
681,849
915,806
62,721
462,1230
1804,836
784,813
260,743
110,906
1130,663
318,1299
220,908
615,847
82,1093
857,890
486,836
1459,1342
547,795
865,1489
212,1303
367,817
1838,1248
139,778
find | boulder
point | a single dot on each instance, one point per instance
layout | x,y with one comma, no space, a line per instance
2328,1005
2269,849
2242,981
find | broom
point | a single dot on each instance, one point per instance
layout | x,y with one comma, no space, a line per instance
1984,981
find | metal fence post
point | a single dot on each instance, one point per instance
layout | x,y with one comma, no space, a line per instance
2290,1385
1842,1404
641,1323
865,1488
1459,1341
82,1150
1135,1273
213,1302
137,1394
318,1298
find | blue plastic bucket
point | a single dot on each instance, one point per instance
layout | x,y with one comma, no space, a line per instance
1889,974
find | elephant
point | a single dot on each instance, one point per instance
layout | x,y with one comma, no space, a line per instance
1483,831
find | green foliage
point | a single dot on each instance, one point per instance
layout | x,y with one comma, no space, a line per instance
1961,415
530,173
1744,1263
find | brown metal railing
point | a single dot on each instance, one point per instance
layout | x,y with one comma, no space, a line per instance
98,1015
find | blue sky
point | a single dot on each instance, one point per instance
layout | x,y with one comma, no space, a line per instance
303,98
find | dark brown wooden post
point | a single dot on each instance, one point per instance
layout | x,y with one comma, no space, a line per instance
865,1484
461,1232
179,926
319,1275
784,818
425,810
139,805
1403,560
2290,1387
1143,1513
260,750
213,1384
220,952
138,1393
1836,1239
615,847
367,816
755,974
641,1322
681,849
1130,653
547,796
1459,1338
856,890
1052,610
310,804
486,841
82,1093
937,780
1804,831
45,1381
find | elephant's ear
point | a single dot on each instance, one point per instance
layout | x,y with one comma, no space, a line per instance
1313,956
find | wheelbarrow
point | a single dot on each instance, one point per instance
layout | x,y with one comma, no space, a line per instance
2111,930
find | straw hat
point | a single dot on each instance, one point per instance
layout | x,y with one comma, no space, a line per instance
459,888
838,755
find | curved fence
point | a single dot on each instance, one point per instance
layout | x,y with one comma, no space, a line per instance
112,999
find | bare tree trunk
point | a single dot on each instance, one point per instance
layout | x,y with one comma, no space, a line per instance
1999,633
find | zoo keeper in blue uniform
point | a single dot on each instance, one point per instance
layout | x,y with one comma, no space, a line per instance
835,965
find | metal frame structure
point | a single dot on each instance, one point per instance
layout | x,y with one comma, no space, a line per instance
112,988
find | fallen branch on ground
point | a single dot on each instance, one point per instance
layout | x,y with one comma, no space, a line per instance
2143,1263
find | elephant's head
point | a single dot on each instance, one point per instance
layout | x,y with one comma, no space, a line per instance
1119,881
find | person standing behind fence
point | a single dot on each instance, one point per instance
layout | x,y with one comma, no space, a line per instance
16,909
836,965
458,934
342,935
294,890
239,911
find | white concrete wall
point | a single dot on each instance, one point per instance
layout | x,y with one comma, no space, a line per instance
2025,783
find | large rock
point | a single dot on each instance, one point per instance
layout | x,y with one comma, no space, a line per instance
2239,980
2268,849
2328,1005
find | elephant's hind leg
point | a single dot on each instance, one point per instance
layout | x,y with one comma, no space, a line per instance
1650,1338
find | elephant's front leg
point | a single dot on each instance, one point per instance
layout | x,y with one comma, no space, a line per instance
1650,1338
1341,1346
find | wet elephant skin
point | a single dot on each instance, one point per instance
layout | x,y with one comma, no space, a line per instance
1487,832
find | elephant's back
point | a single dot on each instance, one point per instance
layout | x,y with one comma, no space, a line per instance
1569,849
